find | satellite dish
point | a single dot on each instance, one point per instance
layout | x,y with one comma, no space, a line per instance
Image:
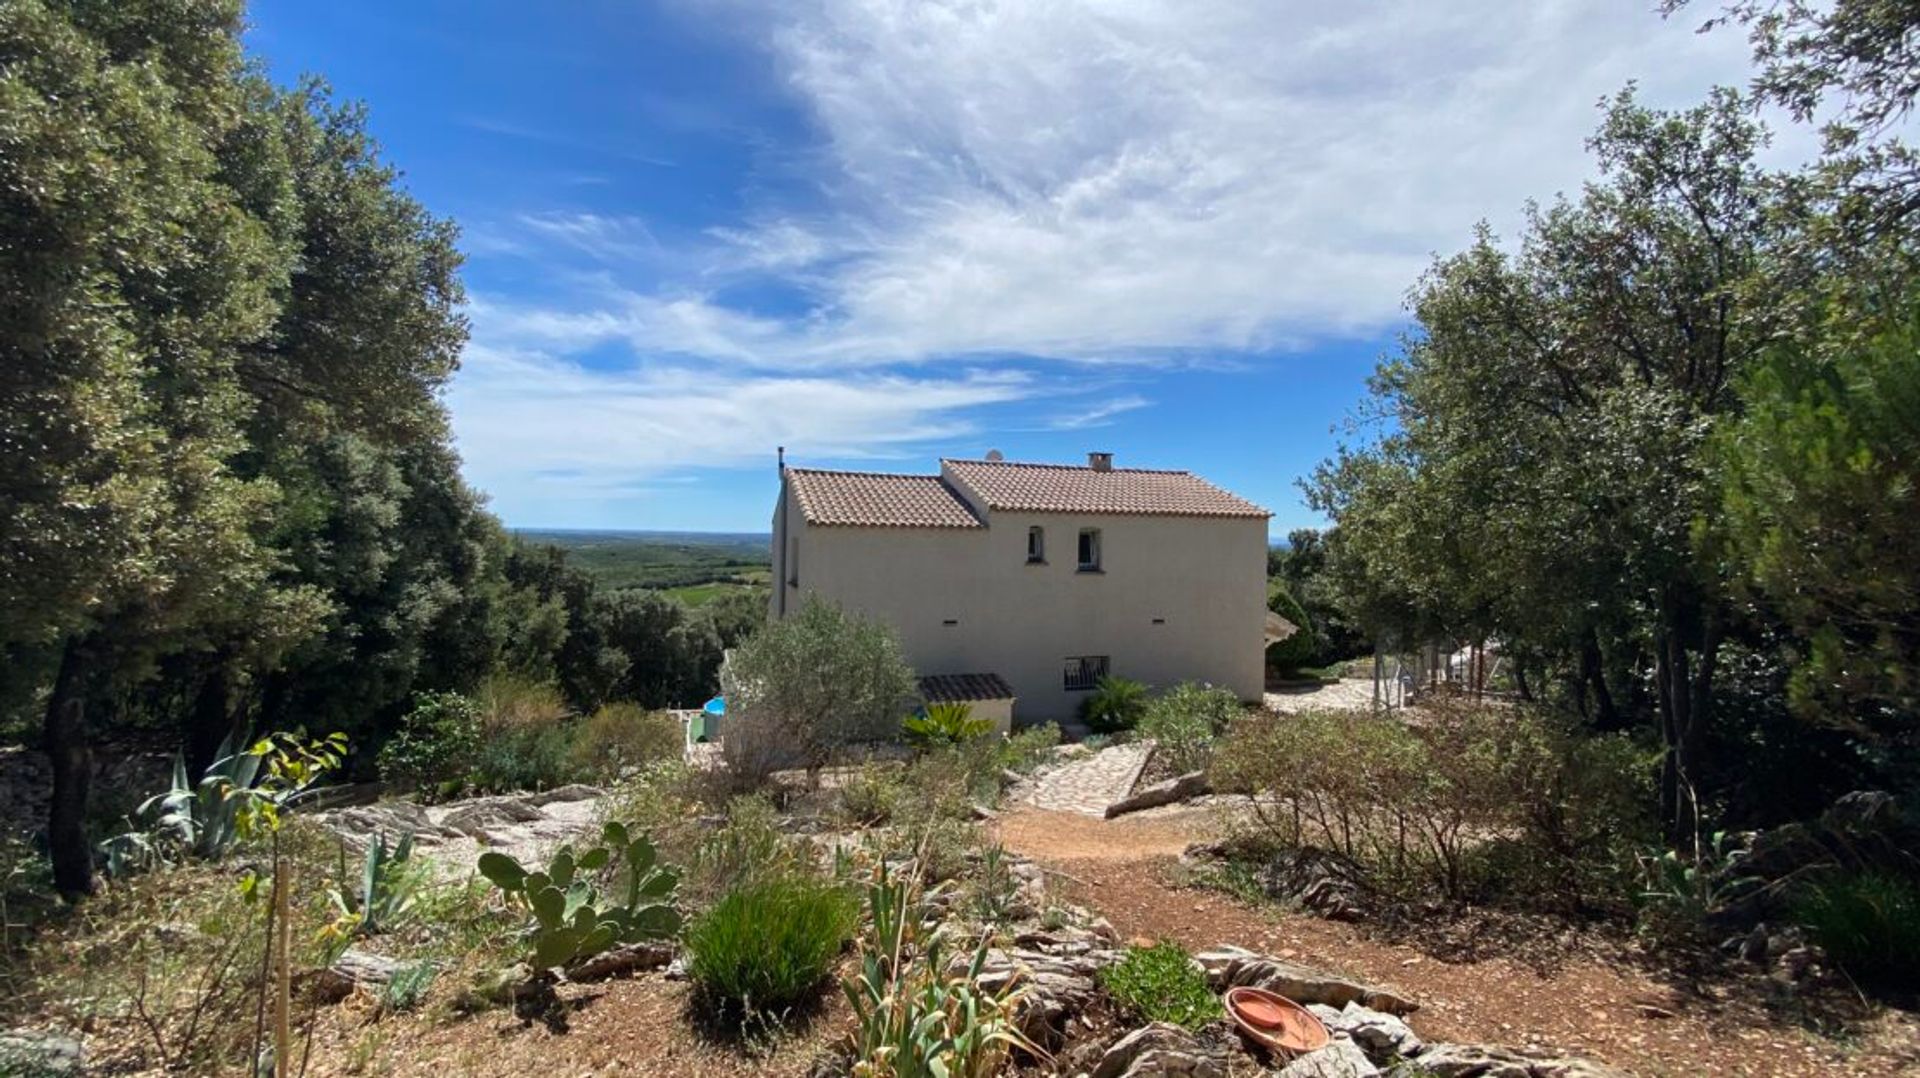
995,455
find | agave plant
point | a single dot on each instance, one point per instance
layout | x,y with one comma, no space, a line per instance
202,819
572,919
388,889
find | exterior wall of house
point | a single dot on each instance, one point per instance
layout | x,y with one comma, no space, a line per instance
1177,598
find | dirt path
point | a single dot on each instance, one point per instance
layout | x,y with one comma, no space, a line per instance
1588,1005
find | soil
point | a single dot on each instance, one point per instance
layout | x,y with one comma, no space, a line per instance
645,1025
1594,997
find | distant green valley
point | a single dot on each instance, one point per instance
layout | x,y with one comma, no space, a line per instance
692,567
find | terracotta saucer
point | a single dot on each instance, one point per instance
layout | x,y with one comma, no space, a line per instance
1275,1021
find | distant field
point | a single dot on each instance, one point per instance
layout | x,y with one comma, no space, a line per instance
693,566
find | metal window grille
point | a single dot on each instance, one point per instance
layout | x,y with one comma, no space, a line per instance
1083,672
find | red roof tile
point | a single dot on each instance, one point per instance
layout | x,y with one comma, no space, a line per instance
879,500
1064,488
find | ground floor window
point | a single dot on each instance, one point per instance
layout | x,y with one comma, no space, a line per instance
1084,672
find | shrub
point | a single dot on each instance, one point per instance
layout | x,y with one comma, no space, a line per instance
436,744
1115,705
1184,721
1869,922
620,737
767,947
1161,984
750,848
1289,656
1417,807
534,756
869,796
1029,748
802,688
945,724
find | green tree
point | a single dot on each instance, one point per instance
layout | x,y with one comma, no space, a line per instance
1549,471
810,683
1822,491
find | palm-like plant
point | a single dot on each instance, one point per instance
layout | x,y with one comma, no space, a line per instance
1116,704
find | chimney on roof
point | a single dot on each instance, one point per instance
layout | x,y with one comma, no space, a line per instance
781,459
1100,462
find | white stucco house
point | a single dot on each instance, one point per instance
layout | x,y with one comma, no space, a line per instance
1016,586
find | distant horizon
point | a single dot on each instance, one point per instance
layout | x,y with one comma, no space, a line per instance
1272,541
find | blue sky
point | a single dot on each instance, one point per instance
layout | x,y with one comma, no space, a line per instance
882,231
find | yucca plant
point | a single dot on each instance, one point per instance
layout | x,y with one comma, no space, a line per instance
916,1014
945,724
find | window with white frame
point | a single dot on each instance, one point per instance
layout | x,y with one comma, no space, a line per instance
1083,672
1089,550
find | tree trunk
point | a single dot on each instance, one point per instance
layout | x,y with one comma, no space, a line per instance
70,750
213,719
1593,668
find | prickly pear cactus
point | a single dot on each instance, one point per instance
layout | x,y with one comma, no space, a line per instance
572,918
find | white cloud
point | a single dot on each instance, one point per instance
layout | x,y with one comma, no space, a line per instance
1099,414
1091,180
533,426
1070,179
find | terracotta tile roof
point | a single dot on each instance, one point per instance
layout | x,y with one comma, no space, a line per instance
959,688
1065,488
879,500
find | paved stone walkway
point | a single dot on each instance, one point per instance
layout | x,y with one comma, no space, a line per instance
1089,784
1347,694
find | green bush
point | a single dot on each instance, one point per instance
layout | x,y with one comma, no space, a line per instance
620,737
1115,705
1161,984
436,744
1417,806
768,947
1869,922
749,849
1184,721
524,757
869,796
1296,652
1029,748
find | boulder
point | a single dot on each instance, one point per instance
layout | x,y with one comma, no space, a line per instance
351,970
1161,1049
1341,1058
575,791
1382,1036
1057,986
1492,1061
1232,967
624,959
475,818
38,1052
1186,787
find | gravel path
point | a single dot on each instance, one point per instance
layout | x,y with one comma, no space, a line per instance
1347,694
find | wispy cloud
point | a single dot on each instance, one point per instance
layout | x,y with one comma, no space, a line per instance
1092,181
1098,415
603,237
528,419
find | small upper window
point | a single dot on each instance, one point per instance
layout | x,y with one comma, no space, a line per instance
1089,550
1036,545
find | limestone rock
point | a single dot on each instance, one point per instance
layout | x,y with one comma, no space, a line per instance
1231,967
476,817
575,791
626,958
1190,785
1161,1050
37,1052
1341,1058
1382,1036
1492,1061
351,970
1058,986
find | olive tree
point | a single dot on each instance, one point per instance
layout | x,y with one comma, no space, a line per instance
805,686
